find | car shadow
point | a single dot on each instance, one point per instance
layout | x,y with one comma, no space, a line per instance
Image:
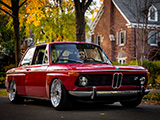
80,106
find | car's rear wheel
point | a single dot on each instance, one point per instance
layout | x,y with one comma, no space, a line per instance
59,96
131,103
13,96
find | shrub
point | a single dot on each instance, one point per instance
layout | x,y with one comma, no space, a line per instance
9,67
154,69
2,82
3,75
2,79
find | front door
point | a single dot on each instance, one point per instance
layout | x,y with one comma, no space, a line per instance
35,81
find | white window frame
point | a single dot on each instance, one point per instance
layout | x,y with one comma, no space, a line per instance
153,35
156,14
119,38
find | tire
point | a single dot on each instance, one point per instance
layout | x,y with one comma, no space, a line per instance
131,103
59,96
13,96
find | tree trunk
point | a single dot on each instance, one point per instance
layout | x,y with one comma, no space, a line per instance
17,47
80,9
80,27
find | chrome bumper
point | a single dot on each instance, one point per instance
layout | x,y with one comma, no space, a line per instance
95,93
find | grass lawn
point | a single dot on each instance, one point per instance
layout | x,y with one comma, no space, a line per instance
3,92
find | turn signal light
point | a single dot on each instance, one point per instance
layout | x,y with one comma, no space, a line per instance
73,73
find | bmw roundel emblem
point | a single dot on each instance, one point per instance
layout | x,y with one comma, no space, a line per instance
117,68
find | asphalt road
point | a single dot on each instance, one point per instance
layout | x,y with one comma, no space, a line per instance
43,110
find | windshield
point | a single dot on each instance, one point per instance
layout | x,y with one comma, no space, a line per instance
82,53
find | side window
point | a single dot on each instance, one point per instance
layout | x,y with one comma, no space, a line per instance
46,57
28,57
39,55
153,38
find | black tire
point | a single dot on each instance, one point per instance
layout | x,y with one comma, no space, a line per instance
131,103
13,96
59,96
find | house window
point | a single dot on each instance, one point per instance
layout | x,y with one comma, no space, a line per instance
122,60
153,38
121,38
153,14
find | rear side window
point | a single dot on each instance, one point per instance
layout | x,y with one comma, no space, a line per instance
27,60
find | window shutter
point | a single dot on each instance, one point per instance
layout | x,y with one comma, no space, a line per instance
125,37
95,39
117,40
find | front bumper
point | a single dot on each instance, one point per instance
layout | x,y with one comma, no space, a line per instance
93,94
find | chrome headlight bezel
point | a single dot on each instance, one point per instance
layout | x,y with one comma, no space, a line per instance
142,80
82,81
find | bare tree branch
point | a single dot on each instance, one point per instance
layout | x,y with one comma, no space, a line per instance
7,12
23,3
87,4
6,5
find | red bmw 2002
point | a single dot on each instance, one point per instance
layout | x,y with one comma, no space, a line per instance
66,71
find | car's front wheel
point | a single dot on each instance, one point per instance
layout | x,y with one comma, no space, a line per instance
13,96
131,103
59,96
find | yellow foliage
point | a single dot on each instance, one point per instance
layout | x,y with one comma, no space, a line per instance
59,38
8,2
96,10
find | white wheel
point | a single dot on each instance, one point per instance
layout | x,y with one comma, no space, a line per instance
56,92
12,91
13,96
59,96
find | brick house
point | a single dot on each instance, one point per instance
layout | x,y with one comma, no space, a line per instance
119,32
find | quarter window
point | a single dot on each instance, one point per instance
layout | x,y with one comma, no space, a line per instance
28,57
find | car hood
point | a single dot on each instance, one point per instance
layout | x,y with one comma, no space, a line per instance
96,67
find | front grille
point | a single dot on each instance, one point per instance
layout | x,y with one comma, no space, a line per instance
115,80
98,80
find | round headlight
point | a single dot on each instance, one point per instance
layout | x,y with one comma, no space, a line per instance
83,81
142,80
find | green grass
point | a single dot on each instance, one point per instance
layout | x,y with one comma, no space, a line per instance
3,92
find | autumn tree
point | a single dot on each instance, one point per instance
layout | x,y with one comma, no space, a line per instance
11,8
51,20
80,8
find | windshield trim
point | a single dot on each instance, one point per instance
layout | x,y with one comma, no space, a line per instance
100,51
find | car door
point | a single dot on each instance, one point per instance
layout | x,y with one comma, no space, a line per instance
35,82
21,71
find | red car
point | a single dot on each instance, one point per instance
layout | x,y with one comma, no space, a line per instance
66,71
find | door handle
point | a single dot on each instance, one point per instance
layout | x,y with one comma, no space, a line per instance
28,69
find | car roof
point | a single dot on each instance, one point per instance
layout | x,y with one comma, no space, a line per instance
68,42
